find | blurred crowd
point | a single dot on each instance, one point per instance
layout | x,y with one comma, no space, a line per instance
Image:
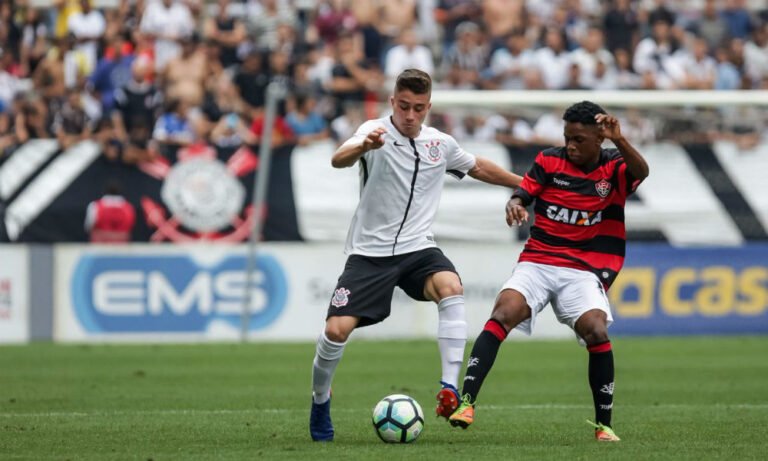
142,76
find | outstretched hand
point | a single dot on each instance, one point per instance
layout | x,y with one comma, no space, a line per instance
608,126
516,213
375,139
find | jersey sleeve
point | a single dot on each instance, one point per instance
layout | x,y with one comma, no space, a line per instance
458,161
362,132
627,182
533,182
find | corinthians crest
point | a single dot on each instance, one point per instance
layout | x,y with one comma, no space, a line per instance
203,194
433,151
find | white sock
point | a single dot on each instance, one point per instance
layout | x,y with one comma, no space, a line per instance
451,337
327,357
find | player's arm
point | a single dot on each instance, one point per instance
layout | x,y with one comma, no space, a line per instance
517,214
491,173
609,128
349,152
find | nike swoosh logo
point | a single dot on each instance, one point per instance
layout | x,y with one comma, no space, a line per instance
399,145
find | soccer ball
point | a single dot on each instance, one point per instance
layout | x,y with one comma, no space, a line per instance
398,418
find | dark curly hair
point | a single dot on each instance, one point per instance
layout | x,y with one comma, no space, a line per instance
583,112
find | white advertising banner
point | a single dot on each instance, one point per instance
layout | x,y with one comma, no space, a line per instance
14,294
195,293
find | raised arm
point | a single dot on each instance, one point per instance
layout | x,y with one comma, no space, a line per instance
609,128
349,152
488,172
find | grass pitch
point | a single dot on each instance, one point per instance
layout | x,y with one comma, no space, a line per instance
690,398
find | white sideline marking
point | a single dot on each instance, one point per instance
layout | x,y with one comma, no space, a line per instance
256,411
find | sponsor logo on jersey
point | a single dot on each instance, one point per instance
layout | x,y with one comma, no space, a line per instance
340,298
575,217
433,150
603,188
561,182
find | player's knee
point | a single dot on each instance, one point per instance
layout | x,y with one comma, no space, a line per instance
510,309
452,288
597,335
336,333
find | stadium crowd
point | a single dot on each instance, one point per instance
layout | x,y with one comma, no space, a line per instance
143,75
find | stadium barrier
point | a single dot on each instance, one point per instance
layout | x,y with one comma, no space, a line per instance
193,293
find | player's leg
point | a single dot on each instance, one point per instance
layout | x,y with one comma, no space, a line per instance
362,297
328,352
428,275
582,304
444,288
520,299
592,327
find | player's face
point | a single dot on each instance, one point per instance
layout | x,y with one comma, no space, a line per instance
582,143
409,111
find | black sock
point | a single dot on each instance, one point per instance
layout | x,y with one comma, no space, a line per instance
482,357
601,381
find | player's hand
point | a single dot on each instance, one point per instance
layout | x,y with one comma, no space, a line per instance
516,213
375,139
608,126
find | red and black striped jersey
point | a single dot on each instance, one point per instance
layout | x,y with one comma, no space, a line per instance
579,215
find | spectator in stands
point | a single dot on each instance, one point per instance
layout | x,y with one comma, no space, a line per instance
166,22
589,55
727,75
652,55
306,123
737,19
408,54
113,70
71,123
251,81
465,59
352,76
451,13
231,131
111,218
34,41
756,57
226,31
516,132
173,128
395,16
698,67
553,60
135,110
621,26
626,77
334,18
502,17
263,25
711,26
87,26
184,76
508,63
9,81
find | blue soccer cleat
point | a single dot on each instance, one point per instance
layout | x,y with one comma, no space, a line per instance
320,425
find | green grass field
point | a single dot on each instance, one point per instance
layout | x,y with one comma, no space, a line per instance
703,398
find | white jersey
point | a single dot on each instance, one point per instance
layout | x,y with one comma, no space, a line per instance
400,187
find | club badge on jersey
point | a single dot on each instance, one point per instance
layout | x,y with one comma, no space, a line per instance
433,151
340,298
603,188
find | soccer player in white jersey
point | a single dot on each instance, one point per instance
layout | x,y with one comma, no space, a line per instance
390,243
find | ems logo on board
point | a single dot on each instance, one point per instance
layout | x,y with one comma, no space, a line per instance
603,188
5,299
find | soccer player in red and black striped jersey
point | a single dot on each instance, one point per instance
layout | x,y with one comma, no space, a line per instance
574,253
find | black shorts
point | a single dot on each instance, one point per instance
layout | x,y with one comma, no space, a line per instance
365,287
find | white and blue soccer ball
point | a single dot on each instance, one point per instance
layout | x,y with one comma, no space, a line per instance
398,418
